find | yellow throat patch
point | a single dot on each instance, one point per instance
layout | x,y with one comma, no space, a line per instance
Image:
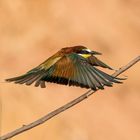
85,55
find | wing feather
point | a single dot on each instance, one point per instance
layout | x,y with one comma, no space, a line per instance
72,70
90,78
100,77
96,62
95,79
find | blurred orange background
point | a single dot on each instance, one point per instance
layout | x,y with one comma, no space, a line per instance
33,30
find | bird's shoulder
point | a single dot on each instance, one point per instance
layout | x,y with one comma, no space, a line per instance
63,60
50,62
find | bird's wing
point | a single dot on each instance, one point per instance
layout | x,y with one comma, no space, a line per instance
96,62
36,74
72,70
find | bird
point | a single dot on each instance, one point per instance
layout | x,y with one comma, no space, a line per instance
72,66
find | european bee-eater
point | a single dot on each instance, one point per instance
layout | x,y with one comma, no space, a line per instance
73,66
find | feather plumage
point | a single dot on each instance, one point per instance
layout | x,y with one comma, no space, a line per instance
68,68
96,62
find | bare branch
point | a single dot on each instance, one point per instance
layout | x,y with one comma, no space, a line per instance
65,107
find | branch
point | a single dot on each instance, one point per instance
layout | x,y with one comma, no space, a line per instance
65,107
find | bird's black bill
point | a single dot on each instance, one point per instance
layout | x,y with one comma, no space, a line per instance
95,53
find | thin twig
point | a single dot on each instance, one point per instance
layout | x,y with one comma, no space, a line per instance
63,108
0,114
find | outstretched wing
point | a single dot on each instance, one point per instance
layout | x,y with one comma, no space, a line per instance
96,62
72,70
30,77
36,74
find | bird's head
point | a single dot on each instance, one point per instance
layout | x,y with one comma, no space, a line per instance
80,50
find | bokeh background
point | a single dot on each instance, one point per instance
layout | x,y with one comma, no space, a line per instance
32,30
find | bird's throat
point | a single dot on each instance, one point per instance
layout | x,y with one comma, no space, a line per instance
85,55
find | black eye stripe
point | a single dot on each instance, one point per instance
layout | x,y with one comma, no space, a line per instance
84,52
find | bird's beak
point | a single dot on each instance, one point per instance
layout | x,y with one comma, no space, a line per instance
95,53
